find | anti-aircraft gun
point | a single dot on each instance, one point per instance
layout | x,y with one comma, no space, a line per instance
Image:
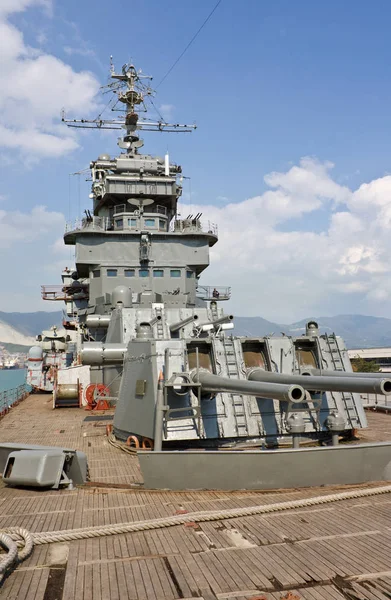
181,385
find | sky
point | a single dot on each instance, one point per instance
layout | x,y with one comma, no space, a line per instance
291,156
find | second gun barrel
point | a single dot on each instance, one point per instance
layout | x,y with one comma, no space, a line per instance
278,391
325,383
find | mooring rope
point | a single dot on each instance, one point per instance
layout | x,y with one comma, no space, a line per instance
10,539
14,537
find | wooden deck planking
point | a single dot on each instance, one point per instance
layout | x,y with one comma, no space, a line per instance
302,550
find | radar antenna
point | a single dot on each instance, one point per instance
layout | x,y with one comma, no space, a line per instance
131,92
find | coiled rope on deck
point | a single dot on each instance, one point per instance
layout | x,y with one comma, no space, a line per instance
10,540
14,537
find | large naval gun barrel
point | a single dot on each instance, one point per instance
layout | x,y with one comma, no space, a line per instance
154,320
177,326
98,353
278,391
98,320
220,321
324,383
322,373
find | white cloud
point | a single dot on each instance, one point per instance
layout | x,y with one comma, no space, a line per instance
17,227
167,111
41,38
290,274
15,6
60,248
81,51
37,86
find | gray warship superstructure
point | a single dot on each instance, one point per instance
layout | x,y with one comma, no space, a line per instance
55,348
163,345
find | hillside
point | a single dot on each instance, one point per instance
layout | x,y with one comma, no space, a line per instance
12,348
10,335
358,331
18,330
30,324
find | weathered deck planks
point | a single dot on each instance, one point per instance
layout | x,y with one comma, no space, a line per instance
326,552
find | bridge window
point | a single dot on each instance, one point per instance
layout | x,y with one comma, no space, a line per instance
175,272
143,273
129,272
112,272
162,225
149,222
132,222
119,223
189,274
96,273
158,273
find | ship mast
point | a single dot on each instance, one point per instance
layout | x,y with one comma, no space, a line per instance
131,92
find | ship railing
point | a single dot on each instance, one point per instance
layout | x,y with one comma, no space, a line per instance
94,223
129,209
73,225
64,292
209,292
189,225
11,397
376,401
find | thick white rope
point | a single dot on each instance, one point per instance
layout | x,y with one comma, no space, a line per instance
49,537
14,537
7,540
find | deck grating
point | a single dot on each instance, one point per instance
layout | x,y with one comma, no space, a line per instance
331,552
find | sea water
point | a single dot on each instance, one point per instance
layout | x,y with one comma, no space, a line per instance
12,378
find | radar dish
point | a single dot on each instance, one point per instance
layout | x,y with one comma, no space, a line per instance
140,201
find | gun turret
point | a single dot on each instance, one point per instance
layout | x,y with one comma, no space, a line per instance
313,383
177,326
278,391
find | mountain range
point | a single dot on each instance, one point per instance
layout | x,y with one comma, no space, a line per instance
358,331
18,330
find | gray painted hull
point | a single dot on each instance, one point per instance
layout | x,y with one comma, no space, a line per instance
266,469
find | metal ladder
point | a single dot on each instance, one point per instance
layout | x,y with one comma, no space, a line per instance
213,310
237,399
159,324
338,365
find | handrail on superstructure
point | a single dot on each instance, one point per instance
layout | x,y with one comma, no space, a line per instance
190,225
209,292
176,226
63,292
155,209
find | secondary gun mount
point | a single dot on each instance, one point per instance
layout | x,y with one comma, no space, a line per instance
213,324
177,326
